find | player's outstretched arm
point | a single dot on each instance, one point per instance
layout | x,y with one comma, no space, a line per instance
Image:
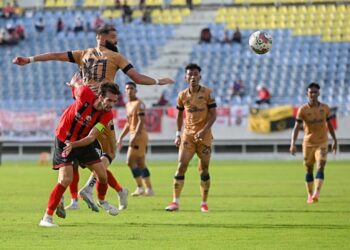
51,56
146,80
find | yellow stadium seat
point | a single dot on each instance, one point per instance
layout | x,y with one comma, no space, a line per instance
107,13
137,13
185,11
220,19
179,2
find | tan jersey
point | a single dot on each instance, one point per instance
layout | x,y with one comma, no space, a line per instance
315,123
99,65
197,107
134,109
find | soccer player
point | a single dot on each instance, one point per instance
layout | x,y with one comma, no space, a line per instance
200,107
86,192
99,65
316,118
78,128
135,109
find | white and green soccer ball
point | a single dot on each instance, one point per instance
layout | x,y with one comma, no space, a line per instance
260,42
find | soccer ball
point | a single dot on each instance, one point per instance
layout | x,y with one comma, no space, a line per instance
260,42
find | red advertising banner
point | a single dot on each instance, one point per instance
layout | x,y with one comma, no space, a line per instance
153,119
25,126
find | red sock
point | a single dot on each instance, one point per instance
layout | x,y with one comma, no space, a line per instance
101,190
113,182
73,187
55,198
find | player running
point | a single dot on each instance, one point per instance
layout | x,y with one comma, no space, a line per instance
78,128
316,118
200,107
138,141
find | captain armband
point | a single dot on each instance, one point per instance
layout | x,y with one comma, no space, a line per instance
100,127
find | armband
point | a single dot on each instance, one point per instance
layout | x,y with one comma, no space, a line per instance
178,133
100,127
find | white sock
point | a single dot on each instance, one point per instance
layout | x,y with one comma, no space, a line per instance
74,201
89,185
46,216
176,200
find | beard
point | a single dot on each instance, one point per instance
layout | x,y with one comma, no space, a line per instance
111,46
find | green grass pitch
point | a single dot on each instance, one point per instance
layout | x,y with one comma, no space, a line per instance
253,205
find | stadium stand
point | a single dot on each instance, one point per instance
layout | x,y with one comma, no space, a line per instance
311,43
44,87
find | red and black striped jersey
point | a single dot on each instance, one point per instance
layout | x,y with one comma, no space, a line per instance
80,117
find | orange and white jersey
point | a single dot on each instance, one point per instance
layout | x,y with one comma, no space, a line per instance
315,123
196,106
134,109
99,65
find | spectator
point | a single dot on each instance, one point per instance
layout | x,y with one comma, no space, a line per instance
237,88
264,96
59,25
205,36
117,4
127,13
8,11
226,38
142,4
19,29
39,25
146,15
189,4
237,36
97,23
79,25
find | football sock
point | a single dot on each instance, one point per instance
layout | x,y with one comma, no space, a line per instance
90,183
73,187
55,198
101,190
176,200
113,182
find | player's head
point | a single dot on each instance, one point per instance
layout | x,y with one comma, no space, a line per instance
107,37
130,90
193,74
313,91
108,95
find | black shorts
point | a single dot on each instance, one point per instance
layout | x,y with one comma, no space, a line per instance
87,155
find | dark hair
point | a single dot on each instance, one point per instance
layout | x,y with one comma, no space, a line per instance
313,85
108,87
193,66
131,83
105,29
